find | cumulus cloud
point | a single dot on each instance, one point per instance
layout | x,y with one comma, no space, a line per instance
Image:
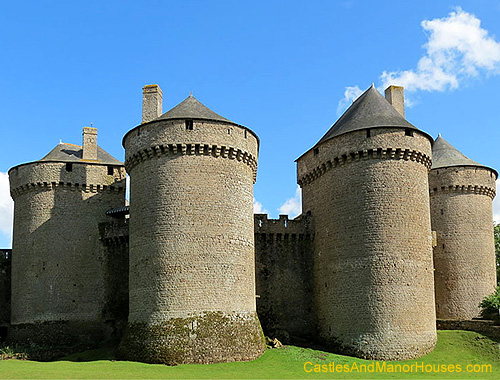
457,49
351,93
258,208
6,207
496,206
292,206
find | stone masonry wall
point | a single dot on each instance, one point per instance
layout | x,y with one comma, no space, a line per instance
283,258
373,270
5,279
464,257
59,266
192,271
114,235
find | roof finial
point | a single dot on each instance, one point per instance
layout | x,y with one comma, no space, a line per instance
439,135
190,94
373,84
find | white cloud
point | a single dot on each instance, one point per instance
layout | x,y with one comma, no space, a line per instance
457,49
6,207
496,205
292,206
351,93
258,208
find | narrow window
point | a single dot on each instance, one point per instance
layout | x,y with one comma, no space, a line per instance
229,131
245,133
316,151
408,132
69,167
442,212
368,133
189,125
110,170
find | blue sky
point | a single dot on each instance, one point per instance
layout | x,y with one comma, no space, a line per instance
283,69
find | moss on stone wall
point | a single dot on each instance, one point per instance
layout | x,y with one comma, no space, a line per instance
211,337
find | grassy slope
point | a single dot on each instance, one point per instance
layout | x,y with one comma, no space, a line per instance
454,347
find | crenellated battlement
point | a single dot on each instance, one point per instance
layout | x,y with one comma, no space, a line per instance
82,187
366,154
466,189
194,149
114,233
283,228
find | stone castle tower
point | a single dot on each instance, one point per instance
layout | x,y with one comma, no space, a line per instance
462,192
192,271
59,270
365,184
355,270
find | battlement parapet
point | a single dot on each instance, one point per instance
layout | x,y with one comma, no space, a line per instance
83,187
198,149
466,189
298,228
115,232
366,154
5,255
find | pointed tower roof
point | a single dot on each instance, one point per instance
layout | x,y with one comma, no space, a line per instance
370,110
445,155
191,108
64,152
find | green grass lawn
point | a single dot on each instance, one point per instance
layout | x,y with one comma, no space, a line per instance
454,347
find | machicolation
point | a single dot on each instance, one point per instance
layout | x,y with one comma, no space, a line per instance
396,231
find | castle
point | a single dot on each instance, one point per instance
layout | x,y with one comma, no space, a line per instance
396,231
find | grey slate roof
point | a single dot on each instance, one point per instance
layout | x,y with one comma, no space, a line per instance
119,211
73,153
191,108
445,155
370,110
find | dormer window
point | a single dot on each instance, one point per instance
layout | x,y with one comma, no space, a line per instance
408,132
69,167
189,125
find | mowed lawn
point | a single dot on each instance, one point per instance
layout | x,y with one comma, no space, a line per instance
461,348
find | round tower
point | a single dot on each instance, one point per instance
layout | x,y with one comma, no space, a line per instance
461,195
192,271
59,268
365,185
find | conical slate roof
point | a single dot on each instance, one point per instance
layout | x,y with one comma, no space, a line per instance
191,108
370,110
445,155
73,153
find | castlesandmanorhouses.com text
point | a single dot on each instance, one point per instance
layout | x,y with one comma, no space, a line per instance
419,367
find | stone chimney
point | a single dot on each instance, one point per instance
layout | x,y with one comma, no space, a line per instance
152,102
396,96
89,143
